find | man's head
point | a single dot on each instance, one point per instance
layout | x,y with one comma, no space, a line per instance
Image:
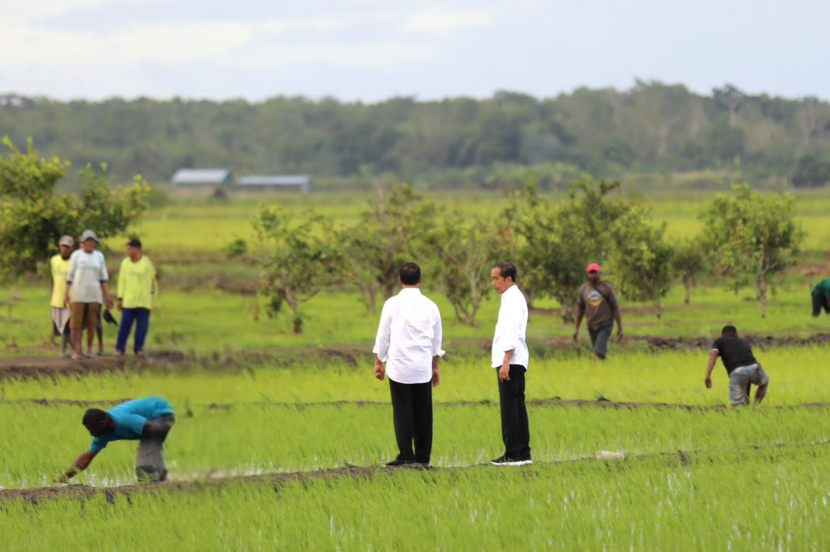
410,275
67,246
594,273
729,331
503,276
134,249
89,241
98,422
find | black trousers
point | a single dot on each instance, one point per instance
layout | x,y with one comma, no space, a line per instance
820,302
515,431
412,411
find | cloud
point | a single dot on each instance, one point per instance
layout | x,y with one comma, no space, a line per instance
444,22
280,26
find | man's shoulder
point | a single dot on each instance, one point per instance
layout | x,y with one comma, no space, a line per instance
607,286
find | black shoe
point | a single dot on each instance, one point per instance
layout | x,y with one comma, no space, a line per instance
506,461
398,463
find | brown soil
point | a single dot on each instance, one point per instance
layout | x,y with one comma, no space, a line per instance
352,355
35,366
551,402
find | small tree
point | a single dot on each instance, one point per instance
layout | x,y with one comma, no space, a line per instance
642,259
295,260
689,264
391,231
754,236
467,248
559,240
33,215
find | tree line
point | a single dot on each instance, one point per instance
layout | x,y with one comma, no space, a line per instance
748,240
651,127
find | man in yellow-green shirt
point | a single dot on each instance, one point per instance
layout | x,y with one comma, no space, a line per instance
136,294
60,310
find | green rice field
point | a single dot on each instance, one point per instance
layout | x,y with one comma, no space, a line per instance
280,439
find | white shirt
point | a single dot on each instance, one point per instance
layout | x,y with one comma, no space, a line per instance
511,329
87,271
409,336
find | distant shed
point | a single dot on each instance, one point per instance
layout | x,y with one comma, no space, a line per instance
202,177
260,183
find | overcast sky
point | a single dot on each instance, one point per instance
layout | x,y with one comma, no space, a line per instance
375,49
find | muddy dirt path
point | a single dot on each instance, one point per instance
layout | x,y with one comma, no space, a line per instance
352,355
276,480
551,402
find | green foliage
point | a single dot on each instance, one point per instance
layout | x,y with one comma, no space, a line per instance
753,237
237,248
560,239
812,171
467,248
294,258
652,126
392,231
690,262
34,215
642,258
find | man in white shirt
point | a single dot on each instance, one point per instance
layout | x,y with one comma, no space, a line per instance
510,358
409,343
86,290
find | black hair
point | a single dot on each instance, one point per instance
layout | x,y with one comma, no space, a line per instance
507,270
729,330
410,274
94,417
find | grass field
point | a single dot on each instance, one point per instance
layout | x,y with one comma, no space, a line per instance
261,412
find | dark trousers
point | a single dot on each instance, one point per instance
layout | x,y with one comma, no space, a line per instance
412,410
141,317
600,338
820,302
515,431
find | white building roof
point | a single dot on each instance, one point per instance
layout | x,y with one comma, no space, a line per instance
201,176
297,180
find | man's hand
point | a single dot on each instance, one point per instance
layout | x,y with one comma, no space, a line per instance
61,479
110,304
66,302
120,304
504,372
757,366
436,379
619,335
708,382
380,371
576,337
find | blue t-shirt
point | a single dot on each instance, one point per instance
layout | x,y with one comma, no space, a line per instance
129,419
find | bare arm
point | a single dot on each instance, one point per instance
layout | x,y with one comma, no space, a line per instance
713,358
436,378
618,320
81,463
107,297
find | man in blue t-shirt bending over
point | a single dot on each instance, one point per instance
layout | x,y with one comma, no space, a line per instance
147,421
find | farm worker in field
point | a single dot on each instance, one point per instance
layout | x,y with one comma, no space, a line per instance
60,309
597,302
136,292
409,344
86,290
510,357
821,297
743,369
147,421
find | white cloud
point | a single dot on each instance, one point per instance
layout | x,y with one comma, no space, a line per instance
445,22
279,26
370,54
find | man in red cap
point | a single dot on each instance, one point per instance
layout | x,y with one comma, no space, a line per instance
598,303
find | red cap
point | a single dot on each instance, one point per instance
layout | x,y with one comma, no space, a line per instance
594,267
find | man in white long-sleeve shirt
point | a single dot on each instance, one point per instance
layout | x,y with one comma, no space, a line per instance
409,343
510,358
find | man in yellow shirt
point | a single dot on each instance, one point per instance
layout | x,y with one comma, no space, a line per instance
60,310
136,291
